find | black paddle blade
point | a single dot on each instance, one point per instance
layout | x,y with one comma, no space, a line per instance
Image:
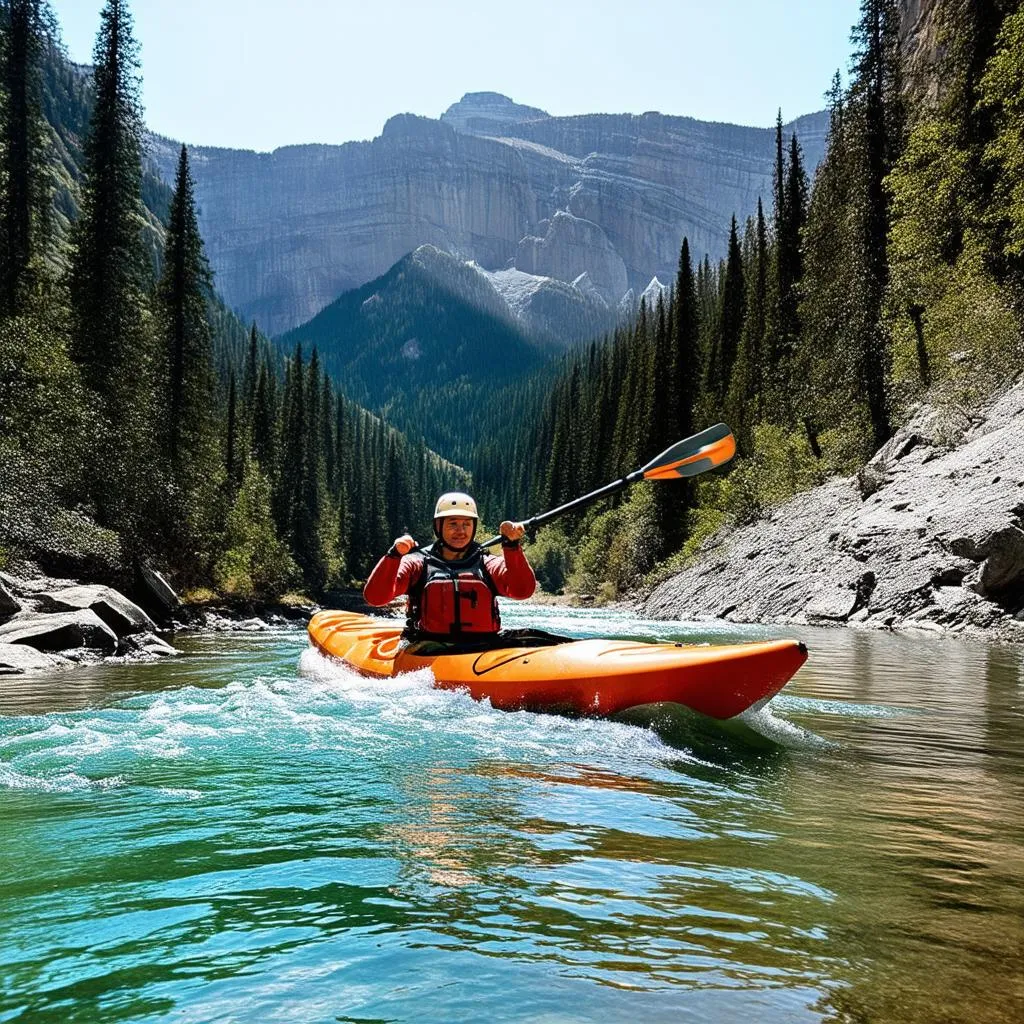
706,450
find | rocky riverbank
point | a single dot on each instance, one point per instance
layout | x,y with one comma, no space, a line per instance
48,623
929,536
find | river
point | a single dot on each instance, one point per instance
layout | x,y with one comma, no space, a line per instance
249,833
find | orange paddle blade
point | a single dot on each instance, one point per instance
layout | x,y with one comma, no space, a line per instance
713,447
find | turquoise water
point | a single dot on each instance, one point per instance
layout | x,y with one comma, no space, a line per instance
251,833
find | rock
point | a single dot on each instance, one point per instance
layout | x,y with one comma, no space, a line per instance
159,593
18,658
574,246
60,631
121,615
1003,568
147,645
834,604
9,605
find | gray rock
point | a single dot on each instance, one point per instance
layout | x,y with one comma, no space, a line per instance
146,645
60,631
121,615
930,535
18,658
159,590
9,605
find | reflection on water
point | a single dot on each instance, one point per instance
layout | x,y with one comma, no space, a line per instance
221,838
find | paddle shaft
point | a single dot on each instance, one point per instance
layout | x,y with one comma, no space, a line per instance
545,517
686,458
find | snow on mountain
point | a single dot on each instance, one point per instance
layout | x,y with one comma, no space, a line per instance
552,311
653,292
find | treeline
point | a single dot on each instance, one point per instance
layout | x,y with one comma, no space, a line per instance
135,424
900,276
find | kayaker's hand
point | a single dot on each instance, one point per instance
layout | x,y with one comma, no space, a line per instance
512,531
404,544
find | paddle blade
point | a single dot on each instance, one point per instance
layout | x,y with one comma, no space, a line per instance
694,455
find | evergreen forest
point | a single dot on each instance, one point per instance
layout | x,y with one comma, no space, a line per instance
140,422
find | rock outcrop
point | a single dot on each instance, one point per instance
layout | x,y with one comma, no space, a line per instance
929,536
57,622
288,232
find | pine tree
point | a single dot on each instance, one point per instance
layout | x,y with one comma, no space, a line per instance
877,90
744,403
189,388
24,194
726,342
183,294
108,281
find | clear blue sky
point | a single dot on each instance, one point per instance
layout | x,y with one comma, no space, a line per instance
257,74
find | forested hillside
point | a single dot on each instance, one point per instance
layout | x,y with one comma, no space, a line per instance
423,344
896,275
139,421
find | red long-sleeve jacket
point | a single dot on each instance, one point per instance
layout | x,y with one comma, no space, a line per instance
393,576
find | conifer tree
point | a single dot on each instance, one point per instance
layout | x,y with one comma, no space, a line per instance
232,462
726,342
183,295
264,423
251,377
108,281
744,403
189,388
24,194
877,91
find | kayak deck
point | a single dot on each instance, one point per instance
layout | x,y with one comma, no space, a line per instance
592,678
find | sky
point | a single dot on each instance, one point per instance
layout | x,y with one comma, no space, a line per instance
258,74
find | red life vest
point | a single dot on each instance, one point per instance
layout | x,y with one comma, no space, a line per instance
451,599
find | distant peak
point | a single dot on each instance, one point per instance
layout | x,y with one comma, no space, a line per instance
481,111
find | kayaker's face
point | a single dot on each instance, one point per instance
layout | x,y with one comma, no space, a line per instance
456,531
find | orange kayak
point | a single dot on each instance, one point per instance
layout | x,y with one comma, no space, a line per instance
592,678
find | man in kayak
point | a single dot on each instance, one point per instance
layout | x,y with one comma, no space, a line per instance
453,584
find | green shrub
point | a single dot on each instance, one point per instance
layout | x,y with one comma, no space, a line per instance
256,563
620,547
551,555
782,465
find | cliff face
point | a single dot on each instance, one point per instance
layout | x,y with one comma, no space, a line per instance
921,45
491,181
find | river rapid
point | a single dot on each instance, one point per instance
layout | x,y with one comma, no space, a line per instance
251,833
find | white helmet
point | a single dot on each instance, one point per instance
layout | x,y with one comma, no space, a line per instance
455,503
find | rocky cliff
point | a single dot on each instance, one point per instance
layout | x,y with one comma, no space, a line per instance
929,536
491,181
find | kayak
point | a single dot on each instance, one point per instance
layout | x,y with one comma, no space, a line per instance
591,678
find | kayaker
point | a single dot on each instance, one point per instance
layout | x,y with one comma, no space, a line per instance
453,584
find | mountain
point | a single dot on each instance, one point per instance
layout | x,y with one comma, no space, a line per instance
423,345
506,186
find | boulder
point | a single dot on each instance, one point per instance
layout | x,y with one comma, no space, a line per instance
9,605
159,595
17,658
60,631
147,645
121,615
1003,568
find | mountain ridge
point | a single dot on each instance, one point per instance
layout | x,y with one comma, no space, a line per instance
291,230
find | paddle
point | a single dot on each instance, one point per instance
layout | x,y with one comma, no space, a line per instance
690,457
